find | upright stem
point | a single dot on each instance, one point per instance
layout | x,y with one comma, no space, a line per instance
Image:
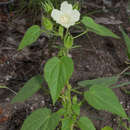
69,105
69,111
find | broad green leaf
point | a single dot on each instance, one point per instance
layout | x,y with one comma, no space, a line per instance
103,98
85,123
108,81
36,119
66,124
30,36
97,28
57,72
53,121
107,128
42,119
127,41
31,87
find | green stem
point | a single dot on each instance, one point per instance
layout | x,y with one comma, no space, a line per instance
81,34
72,127
69,110
75,91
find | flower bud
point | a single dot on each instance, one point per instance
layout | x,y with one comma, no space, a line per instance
76,6
47,24
48,6
61,31
74,100
68,41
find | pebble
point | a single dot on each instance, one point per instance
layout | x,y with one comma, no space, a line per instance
7,99
121,102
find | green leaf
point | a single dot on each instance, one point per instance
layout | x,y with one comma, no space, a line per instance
42,119
53,121
108,81
57,72
36,119
66,124
85,123
103,98
31,87
30,36
127,41
97,28
76,109
107,128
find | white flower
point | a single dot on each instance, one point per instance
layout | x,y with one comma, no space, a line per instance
66,16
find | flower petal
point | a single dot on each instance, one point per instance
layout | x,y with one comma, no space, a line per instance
56,14
75,15
66,8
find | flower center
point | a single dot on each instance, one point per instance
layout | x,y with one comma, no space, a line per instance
64,19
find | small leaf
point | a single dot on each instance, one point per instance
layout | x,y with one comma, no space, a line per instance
108,81
85,124
31,87
103,98
127,41
30,36
57,72
66,124
107,128
97,28
76,109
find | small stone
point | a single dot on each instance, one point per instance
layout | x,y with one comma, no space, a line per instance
15,107
121,102
7,99
32,108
